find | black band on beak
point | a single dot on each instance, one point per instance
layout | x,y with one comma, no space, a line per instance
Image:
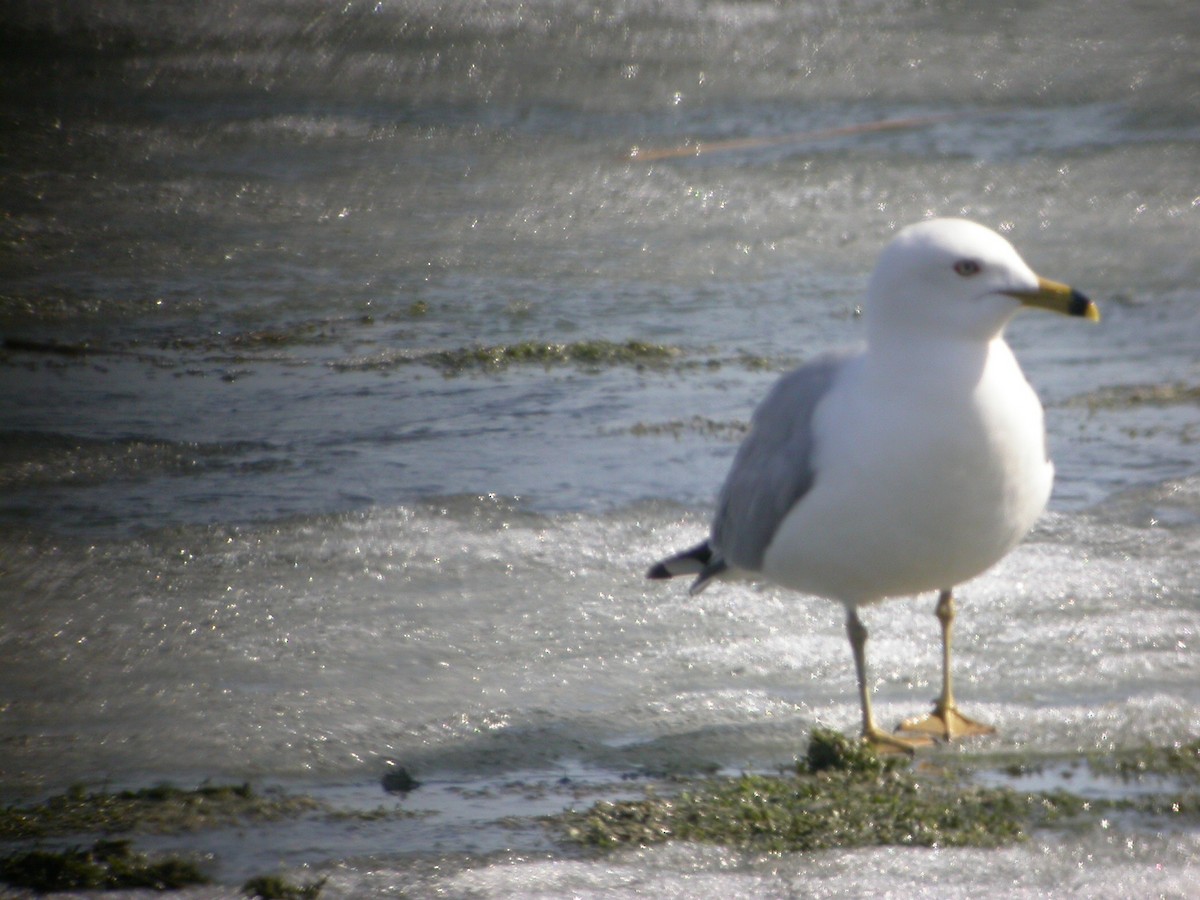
1078,304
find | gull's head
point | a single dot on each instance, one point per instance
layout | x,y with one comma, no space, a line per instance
952,278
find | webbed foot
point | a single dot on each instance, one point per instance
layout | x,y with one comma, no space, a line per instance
885,744
945,723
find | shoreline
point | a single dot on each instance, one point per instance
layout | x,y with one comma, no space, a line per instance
297,831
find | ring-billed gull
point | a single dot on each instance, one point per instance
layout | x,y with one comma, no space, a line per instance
909,466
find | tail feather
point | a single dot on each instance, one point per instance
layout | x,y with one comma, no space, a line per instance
699,561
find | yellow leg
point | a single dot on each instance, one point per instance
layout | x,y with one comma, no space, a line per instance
882,741
946,722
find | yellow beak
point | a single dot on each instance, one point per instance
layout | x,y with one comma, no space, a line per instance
1058,298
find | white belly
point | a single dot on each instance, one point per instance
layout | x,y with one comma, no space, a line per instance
917,487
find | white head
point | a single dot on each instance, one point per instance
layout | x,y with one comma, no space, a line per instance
950,278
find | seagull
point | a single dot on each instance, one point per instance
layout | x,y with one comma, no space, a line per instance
911,465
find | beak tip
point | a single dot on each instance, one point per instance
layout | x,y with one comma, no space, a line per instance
1080,305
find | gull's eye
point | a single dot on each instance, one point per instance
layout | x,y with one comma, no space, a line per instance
967,267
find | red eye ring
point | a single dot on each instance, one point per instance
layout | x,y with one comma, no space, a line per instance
967,267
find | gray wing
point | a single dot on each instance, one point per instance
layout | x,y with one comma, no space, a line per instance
774,466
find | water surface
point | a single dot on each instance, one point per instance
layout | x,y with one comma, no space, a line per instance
250,530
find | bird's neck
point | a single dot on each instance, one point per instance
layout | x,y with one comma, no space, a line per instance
908,360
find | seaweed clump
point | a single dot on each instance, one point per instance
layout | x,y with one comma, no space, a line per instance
831,751
162,809
842,795
1181,760
1134,395
108,865
276,887
584,353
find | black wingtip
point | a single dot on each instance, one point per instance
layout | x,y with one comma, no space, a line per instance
658,571
689,562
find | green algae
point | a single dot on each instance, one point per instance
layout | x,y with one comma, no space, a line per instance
55,348
701,425
583,353
1175,769
1178,763
489,358
276,887
381,355
588,354
842,795
832,751
107,865
162,809
1180,760
839,794
816,812
1133,395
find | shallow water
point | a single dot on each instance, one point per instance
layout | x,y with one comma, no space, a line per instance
250,529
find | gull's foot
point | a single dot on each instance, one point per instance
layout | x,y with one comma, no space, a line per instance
885,744
945,723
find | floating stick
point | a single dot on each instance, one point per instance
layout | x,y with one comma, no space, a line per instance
639,155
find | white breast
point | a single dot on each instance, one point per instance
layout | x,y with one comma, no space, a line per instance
963,477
